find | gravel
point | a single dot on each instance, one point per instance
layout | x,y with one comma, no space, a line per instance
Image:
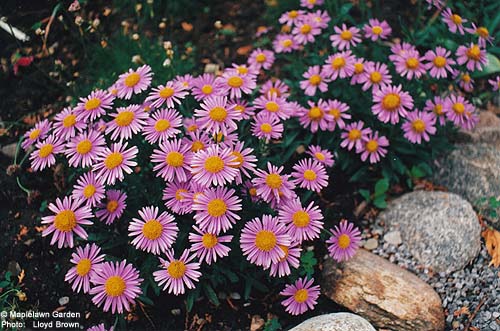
461,291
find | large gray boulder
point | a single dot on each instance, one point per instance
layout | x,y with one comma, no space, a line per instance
335,322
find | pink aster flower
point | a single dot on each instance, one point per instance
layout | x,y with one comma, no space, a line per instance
66,125
177,274
154,233
245,161
112,207
85,260
197,141
241,106
172,160
316,117
305,31
376,29
114,161
436,106
214,166
315,79
456,108
473,57
100,327
292,258
321,155
116,285
400,49
390,102
410,65
186,80
376,75
175,196
321,18
209,246
373,147
89,189
285,43
261,241
454,21
471,119
340,65
44,154
134,82
439,62
216,210
249,190
311,3
338,111
275,86
126,122
162,125
68,218
234,84
267,127
465,81
495,83
302,296
436,3
243,69
419,125
483,34
272,184
94,105
273,104
344,241
83,149
345,37
35,134
310,174
170,94
204,86
302,223
359,71
217,116
261,59
353,135
291,17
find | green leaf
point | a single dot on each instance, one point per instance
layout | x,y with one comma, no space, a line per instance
146,300
211,295
492,67
381,186
8,274
365,194
191,296
272,325
417,172
4,283
380,202
43,206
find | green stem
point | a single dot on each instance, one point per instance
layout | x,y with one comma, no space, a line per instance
22,187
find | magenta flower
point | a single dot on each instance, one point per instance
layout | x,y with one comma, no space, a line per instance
134,82
436,3
217,116
373,147
495,83
291,17
162,125
316,117
44,154
209,246
267,126
376,29
305,31
410,65
302,296
112,208
473,57
302,223
353,135
170,94
177,274
439,62
272,184
89,189
85,260
359,71
457,109
94,105
275,86
175,196
310,174
35,134
376,75
234,84
274,105
436,106
261,241
321,155
66,125
244,70
465,81
241,106
68,217
419,125
216,210
285,43
83,149
320,17
345,37
344,241
114,161
311,3
390,102
292,258
339,65
154,233
126,122
338,111
261,59
172,160
454,21
483,34
214,166
116,285
204,86
250,191
245,161
100,327
400,49
315,79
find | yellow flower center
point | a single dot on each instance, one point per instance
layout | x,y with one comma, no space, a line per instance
192,128
377,29
305,29
209,240
235,81
285,249
252,191
354,135
124,118
65,221
132,79
474,53
301,295
216,208
162,125
274,90
265,240
92,104
197,146
338,62
320,156
214,164
315,80
439,61
273,181
175,159
335,112
240,108
261,58
238,157
466,78
344,241
266,127
69,121
272,106
34,134
115,286
242,70
372,146
375,77
458,108
89,191
207,89
152,229
483,32
358,68
176,269
456,19
111,206
315,113
46,150
418,126
293,14
179,194
83,267
412,63
309,175
301,219
84,146
438,109
346,35
218,114
166,92
113,160
287,42
391,101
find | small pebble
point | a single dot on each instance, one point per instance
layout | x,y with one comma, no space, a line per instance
63,301
371,244
176,312
393,238
235,296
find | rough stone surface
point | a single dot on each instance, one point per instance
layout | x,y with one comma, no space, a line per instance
388,296
487,130
335,322
441,229
471,171
393,238
371,244
9,150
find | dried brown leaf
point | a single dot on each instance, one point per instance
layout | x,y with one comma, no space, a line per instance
492,239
